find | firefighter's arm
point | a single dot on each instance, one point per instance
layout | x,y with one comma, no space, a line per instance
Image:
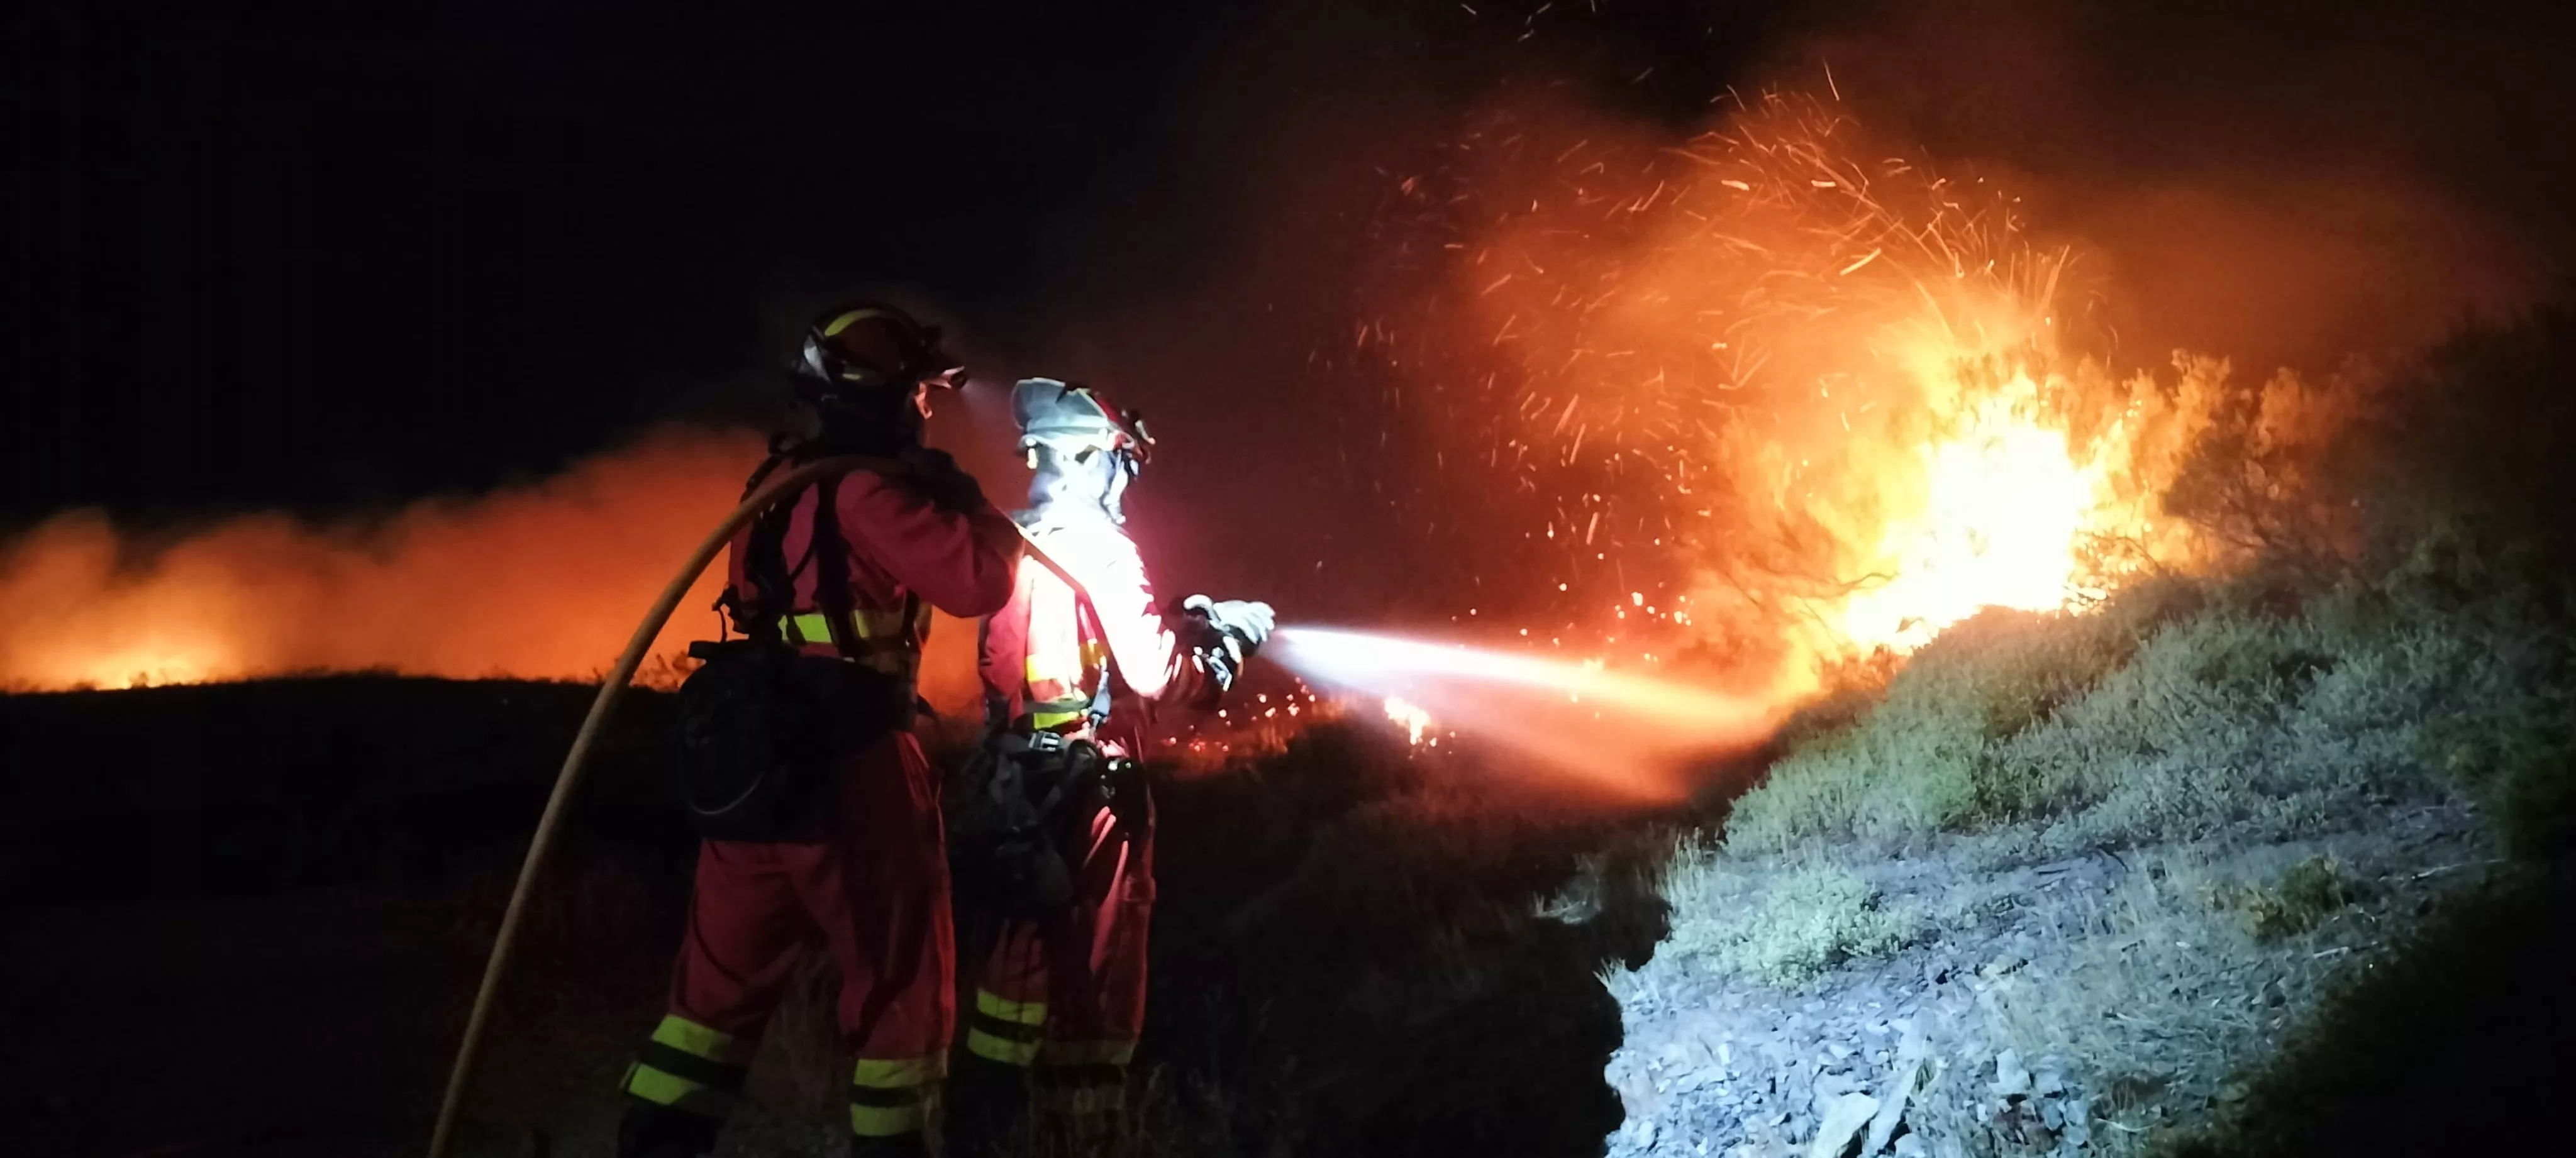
1153,660
960,560
1168,659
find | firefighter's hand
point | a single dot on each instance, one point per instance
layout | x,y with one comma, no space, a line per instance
1246,622
947,484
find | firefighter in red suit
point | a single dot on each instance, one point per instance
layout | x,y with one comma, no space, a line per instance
1080,661
873,889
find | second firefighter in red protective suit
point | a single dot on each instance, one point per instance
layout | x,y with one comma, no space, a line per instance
1074,670
849,575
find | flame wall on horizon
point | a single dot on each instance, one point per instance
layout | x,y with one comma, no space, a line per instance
540,582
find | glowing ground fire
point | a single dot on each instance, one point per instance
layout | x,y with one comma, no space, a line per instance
1414,719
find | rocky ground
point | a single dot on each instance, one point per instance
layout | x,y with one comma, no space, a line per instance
2097,1005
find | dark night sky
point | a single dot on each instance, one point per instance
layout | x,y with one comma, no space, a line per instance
296,260
328,262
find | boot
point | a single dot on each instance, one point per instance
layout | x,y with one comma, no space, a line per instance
988,1114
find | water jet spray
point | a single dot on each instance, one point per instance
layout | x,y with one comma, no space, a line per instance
1619,730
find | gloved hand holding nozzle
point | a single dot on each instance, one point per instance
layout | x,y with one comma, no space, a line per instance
1246,621
1235,628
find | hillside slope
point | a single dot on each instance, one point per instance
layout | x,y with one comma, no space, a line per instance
2110,882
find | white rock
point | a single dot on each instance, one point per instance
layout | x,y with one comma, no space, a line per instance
2011,1080
1891,1109
1841,1122
2079,1122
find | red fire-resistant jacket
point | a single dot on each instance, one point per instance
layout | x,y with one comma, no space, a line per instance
1046,655
900,545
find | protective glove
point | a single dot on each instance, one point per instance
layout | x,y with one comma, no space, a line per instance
1245,622
947,485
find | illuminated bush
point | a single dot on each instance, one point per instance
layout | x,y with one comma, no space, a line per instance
1922,761
1781,928
2178,717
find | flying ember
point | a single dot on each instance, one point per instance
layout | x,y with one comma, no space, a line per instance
1817,393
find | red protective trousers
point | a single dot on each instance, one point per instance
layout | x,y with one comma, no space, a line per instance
874,892
1067,993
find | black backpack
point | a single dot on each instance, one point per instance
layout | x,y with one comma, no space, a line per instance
761,723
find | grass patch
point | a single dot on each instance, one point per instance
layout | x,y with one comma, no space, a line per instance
2302,898
2177,712
1784,926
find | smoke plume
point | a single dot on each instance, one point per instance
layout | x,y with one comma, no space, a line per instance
540,582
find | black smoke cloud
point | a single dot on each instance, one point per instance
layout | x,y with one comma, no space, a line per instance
2281,183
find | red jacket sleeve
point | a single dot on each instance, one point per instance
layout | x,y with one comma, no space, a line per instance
960,562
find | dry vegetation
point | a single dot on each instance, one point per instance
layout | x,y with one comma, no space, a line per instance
2067,882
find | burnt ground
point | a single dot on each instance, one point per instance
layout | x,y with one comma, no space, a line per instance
247,919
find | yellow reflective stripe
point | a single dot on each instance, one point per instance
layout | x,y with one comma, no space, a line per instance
697,1040
1017,1012
885,1121
1000,1049
885,627
833,328
677,1092
898,1073
1087,1053
887,1094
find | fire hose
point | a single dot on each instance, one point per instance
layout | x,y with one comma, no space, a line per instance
610,689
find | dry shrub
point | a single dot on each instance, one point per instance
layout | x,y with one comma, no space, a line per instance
2184,711
1780,923
1920,762
2299,900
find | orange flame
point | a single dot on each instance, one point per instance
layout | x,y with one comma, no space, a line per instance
1414,719
541,582
1825,390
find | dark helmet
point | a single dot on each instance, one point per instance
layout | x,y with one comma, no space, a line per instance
868,345
1072,417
